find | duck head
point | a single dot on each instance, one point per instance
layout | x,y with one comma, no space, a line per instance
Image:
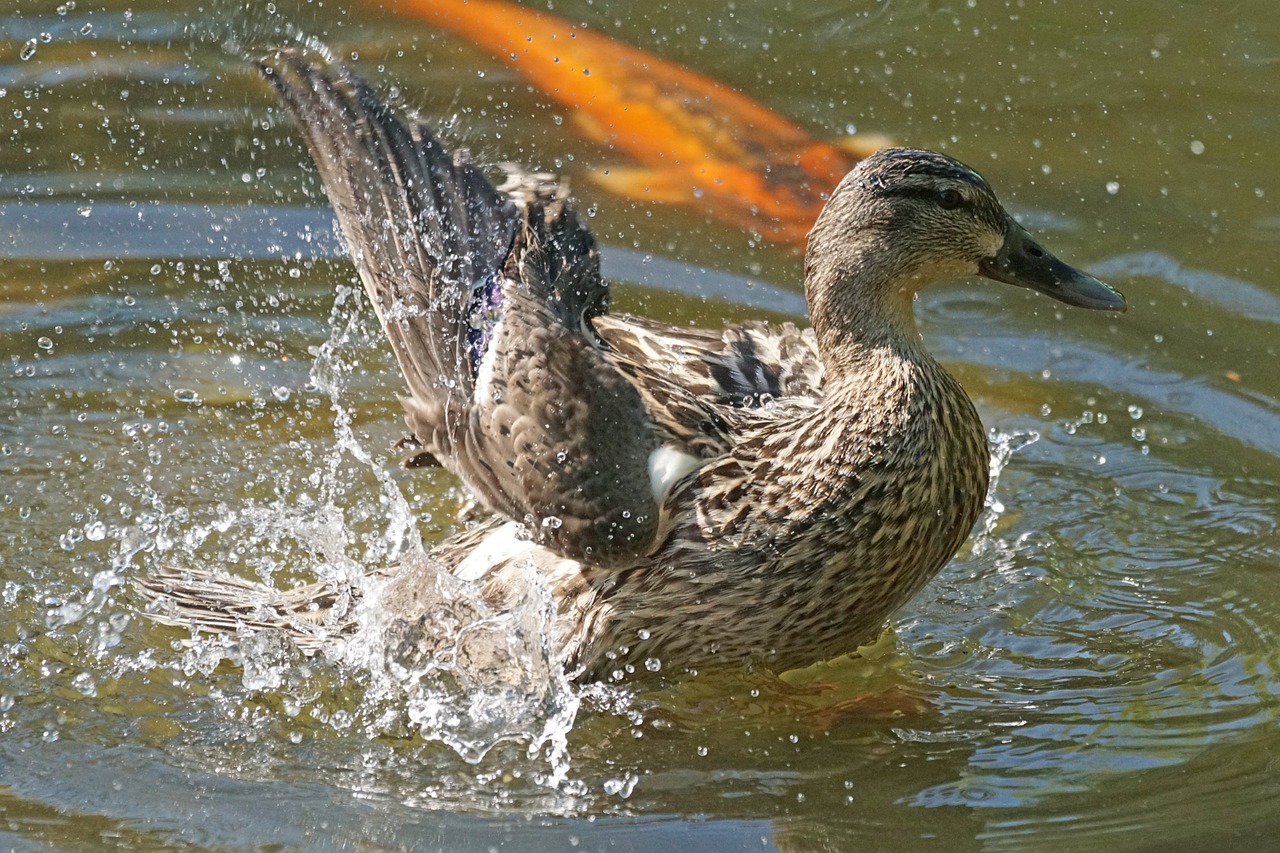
905,218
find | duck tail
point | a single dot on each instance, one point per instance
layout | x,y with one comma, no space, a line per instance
224,605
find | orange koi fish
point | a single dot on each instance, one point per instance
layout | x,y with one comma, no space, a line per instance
700,142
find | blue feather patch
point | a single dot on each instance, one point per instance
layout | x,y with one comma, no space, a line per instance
482,316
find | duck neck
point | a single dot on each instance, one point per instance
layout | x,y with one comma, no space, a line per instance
860,305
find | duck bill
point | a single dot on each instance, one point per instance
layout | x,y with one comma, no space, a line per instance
1024,262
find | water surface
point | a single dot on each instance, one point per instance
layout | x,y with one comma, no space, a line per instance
190,374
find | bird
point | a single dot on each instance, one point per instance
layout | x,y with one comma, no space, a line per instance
758,494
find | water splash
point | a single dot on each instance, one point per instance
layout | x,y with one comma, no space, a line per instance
416,651
466,672
330,373
1003,446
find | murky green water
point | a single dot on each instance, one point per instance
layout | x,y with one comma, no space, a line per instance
1099,671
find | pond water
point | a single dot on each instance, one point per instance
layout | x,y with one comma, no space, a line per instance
190,376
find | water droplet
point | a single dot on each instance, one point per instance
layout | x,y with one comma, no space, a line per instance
28,50
1197,147
69,540
186,395
44,343
95,531
84,684
86,29
1113,187
621,787
281,393
653,664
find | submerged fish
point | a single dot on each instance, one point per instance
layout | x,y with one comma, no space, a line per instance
700,142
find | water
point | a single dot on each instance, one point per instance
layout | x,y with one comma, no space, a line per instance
191,376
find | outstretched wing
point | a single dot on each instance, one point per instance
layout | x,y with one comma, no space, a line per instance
427,231
488,299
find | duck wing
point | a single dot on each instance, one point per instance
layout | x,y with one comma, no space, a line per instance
487,297
422,227
741,366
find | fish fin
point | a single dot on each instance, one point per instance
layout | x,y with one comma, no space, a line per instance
863,145
646,184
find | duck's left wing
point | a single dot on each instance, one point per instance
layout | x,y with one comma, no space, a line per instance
487,297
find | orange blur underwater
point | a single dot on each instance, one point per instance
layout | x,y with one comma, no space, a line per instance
699,141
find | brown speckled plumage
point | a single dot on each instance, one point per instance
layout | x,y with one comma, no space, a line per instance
817,478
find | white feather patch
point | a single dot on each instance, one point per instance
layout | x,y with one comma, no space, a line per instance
498,547
484,375
666,467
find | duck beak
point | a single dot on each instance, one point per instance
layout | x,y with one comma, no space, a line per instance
1024,262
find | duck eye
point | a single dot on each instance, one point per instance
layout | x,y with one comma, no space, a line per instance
950,199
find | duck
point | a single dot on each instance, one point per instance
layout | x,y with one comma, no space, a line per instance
758,494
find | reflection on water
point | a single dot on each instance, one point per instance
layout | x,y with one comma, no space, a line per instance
1100,666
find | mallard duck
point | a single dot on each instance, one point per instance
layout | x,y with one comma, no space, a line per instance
754,493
